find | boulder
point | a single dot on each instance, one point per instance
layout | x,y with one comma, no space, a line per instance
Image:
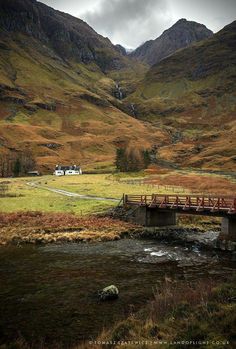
108,293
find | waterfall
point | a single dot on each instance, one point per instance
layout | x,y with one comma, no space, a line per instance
133,110
118,92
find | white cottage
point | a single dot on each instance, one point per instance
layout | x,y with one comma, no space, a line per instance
67,170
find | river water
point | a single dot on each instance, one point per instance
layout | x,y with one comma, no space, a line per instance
49,292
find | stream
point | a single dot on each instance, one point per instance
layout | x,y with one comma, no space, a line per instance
48,293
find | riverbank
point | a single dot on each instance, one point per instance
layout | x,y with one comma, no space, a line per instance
43,228
199,236
199,315
48,296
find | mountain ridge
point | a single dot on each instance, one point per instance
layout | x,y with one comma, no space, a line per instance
182,34
70,37
67,108
192,94
61,107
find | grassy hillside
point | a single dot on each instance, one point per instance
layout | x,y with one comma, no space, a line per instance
191,95
63,110
58,83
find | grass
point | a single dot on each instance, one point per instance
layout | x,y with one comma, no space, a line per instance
201,312
105,185
36,215
39,227
194,182
27,198
24,198
32,199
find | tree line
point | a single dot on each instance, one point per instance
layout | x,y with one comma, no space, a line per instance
130,159
16,164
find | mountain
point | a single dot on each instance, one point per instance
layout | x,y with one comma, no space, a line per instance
191,94
182,34
58,79
121,49
70,96
67,36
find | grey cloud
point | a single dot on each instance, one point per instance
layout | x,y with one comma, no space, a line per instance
129,22
213,13
74,7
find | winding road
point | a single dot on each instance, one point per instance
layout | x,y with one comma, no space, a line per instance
71,194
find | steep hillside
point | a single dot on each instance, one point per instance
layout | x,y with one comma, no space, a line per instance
57,83
70,95
180,35
69,37
192,94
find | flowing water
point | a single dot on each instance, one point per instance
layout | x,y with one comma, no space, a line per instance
49,292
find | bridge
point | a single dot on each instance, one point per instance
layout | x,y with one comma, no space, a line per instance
161,209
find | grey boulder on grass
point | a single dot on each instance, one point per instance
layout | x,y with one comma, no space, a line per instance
108,293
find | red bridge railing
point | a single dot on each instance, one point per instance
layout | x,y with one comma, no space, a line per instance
197,203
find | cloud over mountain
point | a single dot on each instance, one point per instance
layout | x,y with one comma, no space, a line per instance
121,18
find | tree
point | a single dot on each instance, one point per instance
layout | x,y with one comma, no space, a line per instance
17,167
120,159
16,163
146,158
28,162
132,159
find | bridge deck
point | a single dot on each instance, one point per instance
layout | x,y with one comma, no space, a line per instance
181,203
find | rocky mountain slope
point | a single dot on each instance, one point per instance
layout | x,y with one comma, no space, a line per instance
58,80
67,36
192,94
180,35
71,96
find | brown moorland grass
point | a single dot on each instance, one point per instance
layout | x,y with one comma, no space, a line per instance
204,184
39,227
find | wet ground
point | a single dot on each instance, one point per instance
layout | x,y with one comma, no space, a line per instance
49,292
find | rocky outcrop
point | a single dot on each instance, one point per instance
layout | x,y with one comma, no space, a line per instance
121,49
44,105
217,54
13,99
180,35
12,95
52,146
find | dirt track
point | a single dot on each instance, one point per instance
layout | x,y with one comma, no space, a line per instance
71,194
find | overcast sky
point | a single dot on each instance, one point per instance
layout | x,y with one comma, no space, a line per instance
132,22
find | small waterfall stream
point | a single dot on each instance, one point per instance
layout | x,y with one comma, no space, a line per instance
118,93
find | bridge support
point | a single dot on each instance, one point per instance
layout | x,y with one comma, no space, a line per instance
150,217
228,228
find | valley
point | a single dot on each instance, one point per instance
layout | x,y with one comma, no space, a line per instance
59,97
156,120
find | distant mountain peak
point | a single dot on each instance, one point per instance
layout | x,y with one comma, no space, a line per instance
182,34
181,20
